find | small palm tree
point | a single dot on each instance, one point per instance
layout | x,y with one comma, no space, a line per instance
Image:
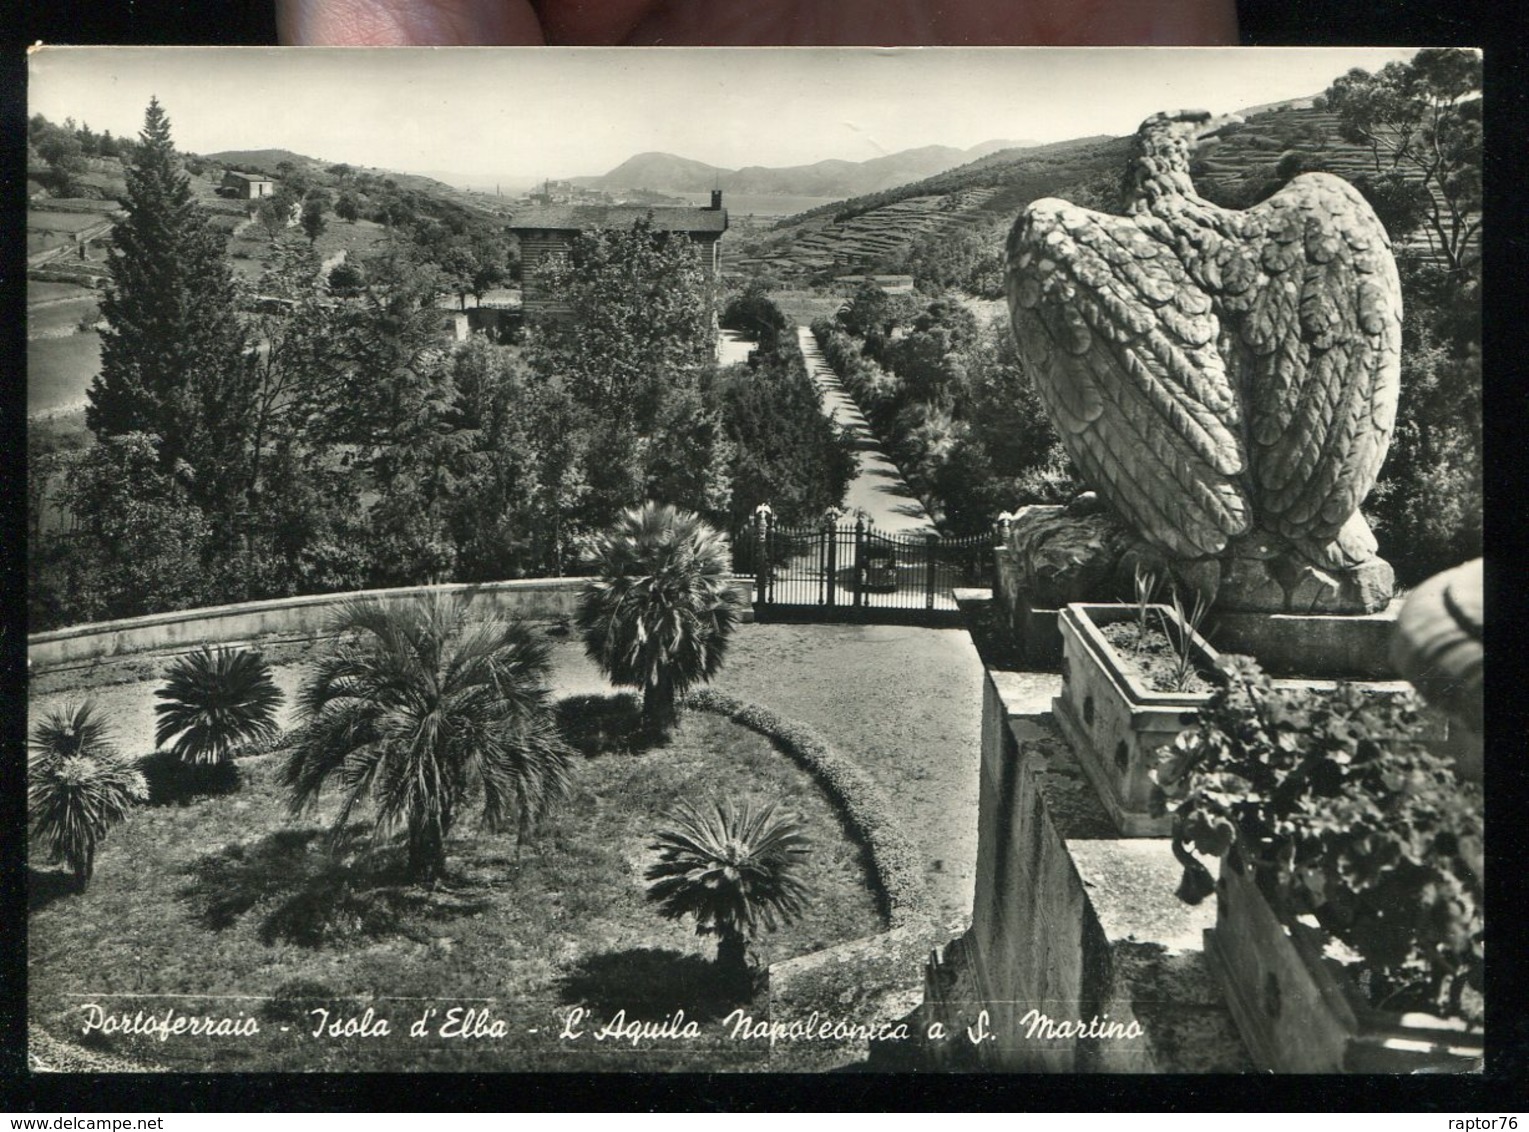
732,868
659,614
215,699
78,786
418,709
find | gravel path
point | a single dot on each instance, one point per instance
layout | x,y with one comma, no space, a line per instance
903,702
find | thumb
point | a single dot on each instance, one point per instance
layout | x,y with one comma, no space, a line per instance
394,23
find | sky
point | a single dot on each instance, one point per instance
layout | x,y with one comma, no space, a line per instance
524,114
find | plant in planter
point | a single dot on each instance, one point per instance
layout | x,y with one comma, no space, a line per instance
1146,589
1114,713
1326,805
1181,632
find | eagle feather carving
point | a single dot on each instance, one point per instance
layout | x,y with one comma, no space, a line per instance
1223,378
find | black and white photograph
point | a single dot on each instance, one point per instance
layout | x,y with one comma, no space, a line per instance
743,560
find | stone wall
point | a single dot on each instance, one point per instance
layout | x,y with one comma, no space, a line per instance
1079,958
292,618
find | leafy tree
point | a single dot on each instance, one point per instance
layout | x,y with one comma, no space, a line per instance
1423,118
497,514
734,868
215,700
658,615
173,359
65,155
78,786
967,258
1427,508
629,354
422,711
348,206
273,214
137,546
313,219
752,313
787,453
643,312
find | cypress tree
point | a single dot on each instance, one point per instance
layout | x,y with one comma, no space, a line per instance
173,358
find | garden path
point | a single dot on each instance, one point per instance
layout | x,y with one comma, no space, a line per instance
878,488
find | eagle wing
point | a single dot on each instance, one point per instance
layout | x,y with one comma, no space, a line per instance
1312,287
1123,347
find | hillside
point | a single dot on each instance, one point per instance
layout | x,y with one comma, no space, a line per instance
262,160
268,160
832,178
876,231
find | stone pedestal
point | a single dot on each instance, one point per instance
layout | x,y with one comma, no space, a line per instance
1050,556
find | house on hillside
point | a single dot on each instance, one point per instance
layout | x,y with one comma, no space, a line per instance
246,186
547,233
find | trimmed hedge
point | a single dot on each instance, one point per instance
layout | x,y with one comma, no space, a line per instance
896,862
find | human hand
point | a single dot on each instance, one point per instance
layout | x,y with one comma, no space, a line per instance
756,22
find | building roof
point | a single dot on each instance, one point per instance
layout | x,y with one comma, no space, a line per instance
592,217
251,177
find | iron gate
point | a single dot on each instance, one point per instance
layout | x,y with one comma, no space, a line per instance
853,569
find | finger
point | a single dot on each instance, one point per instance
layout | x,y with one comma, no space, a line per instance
913,22
394,23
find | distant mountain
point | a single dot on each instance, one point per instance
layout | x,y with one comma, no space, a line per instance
667,172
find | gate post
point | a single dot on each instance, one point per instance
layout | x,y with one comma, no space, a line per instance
762,517
831,560
859,561
929,542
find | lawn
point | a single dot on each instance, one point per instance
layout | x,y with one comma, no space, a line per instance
225,906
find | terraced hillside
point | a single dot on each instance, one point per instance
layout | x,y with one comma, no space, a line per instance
875,233
1249,155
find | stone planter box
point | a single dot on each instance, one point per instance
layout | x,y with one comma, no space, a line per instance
1113,721
1298,1011
1116,723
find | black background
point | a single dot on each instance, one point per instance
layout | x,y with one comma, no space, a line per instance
1496,27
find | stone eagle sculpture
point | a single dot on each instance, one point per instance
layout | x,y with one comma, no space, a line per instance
1225,379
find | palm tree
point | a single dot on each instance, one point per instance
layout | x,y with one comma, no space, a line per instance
734,870
78,786
418,709
215,700
658,615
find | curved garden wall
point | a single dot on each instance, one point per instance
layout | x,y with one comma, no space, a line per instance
290,618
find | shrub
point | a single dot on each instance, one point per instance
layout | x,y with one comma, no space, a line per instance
78,786
215,699
660,612
421,712
733,868
1344,814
